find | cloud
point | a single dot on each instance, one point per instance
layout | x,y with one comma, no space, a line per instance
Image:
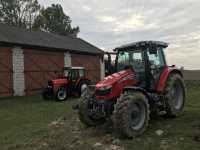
135,22
109,24
107,19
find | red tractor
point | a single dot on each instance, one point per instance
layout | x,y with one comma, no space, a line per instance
142,85
70,80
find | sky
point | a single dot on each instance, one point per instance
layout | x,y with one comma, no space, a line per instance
111,23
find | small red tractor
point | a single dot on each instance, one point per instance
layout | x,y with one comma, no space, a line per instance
142,84
70,80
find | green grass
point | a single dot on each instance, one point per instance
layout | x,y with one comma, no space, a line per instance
25,123
25,118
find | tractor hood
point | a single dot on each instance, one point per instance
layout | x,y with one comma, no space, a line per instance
112,79
60,81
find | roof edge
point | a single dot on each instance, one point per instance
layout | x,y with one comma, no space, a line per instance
9,44
102,51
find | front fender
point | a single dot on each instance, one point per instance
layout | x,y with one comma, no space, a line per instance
139,89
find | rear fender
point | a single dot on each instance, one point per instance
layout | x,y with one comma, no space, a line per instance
164,77
138,89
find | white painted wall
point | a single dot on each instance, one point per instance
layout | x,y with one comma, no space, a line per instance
102,67
67,59
18,71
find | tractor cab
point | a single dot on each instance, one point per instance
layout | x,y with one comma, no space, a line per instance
74,73
145,58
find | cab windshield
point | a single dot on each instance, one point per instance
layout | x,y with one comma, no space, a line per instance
133,58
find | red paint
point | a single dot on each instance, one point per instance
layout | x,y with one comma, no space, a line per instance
118,81
57,83
126,78
164,76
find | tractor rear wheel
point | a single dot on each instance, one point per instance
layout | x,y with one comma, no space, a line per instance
175,95
85,115
82,87
131,114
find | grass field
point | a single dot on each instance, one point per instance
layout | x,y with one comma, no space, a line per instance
31,123
26,118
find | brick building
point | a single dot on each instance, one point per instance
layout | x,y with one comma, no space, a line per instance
29,59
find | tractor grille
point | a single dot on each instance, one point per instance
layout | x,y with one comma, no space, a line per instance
103,92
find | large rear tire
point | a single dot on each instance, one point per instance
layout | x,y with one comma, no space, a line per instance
85,115
83,86
131,114
175,95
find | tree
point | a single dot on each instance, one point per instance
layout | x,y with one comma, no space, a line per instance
54,20
20,13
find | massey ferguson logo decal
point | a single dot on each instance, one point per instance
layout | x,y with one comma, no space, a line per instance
129,77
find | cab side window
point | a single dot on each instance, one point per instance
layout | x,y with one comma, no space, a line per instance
73,74
81,73
66,73
137,61
123,60
156,58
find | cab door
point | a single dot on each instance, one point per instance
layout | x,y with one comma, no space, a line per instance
73,76
156,63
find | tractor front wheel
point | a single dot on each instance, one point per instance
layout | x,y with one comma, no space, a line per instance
175,95
131,114
85,115
61,94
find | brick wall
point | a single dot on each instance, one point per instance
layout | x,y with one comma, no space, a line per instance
41,66
26,71
6,72
91,64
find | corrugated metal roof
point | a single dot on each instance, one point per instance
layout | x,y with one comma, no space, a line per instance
14,35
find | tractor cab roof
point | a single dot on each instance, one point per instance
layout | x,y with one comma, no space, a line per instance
139,44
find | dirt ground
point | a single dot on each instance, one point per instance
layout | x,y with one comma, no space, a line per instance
64,134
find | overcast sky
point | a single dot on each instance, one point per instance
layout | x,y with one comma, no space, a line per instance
111,23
